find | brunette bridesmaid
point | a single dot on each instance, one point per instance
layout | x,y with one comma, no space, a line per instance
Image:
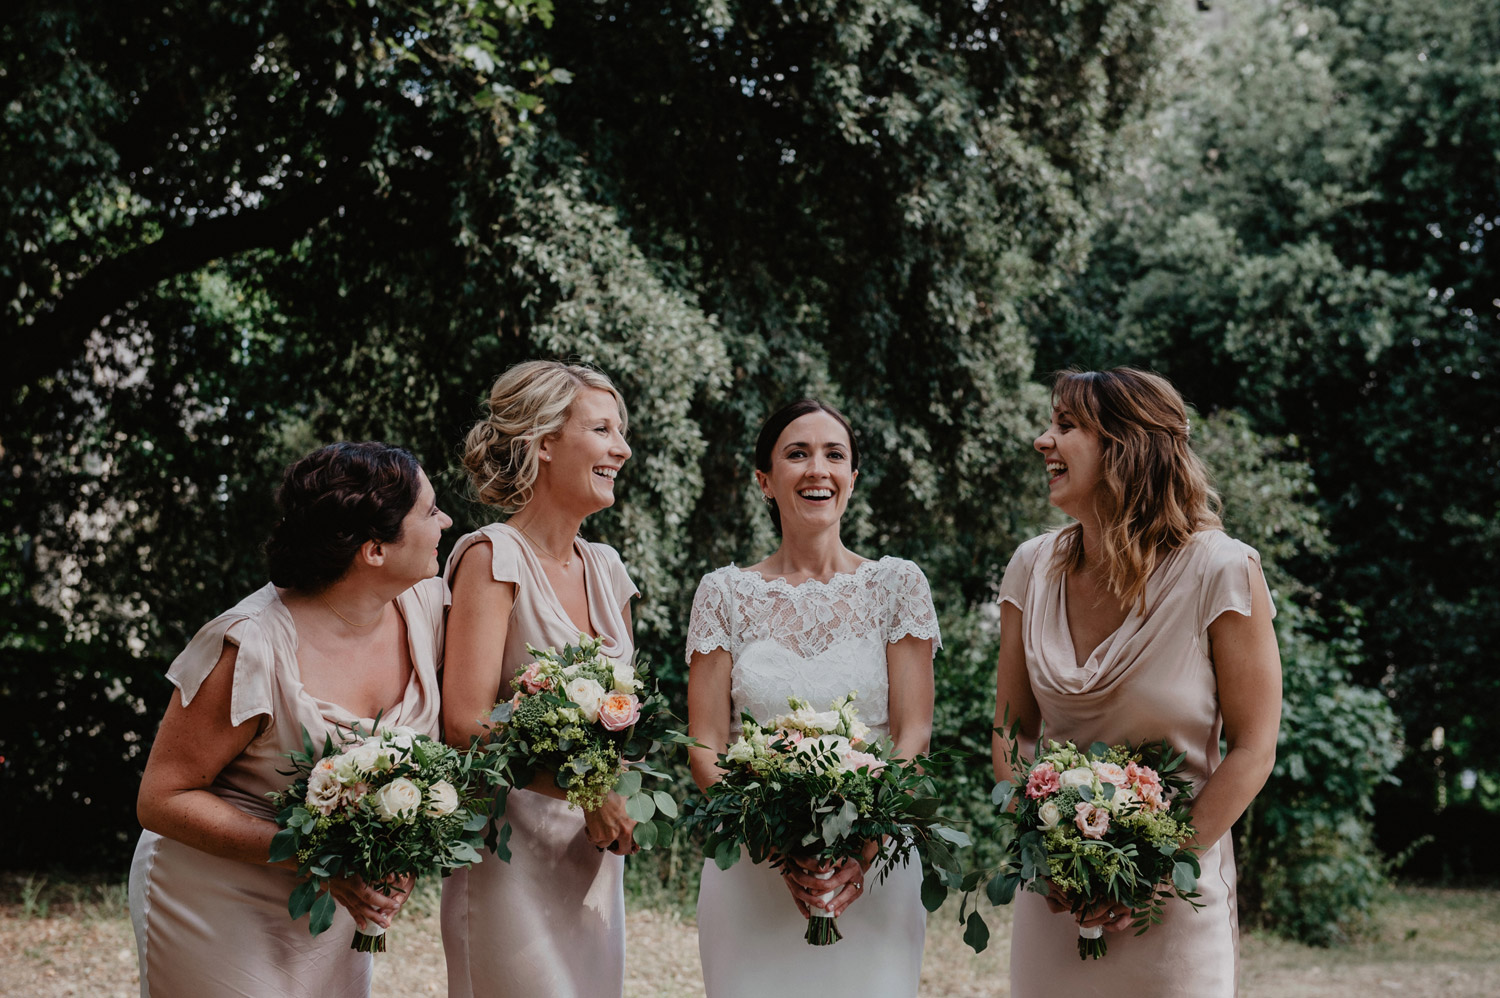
552,920
348,629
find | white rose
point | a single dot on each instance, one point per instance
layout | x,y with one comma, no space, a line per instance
799,719
398,800
828,748
1082,776
740,751
400,736
1125,799
324,791
827,720
442,799
1049,815
587,694
625,681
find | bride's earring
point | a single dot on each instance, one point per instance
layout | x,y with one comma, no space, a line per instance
766,499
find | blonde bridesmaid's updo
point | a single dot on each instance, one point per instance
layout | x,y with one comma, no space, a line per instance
529,402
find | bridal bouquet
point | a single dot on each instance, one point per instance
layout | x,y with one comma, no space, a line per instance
585,718
1106,826
811,785
391,804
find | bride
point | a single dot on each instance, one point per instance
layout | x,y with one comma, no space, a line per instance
813,620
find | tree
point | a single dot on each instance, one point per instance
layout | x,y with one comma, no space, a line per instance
232,233
1306,238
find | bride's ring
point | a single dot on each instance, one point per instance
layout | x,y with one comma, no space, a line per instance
1113,915
859,886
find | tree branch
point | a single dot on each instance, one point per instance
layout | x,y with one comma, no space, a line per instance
58,335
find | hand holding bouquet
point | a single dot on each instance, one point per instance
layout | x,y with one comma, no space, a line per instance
390,805
585,718
1103,827
809,785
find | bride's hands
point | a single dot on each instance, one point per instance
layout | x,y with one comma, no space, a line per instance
609,827
846,882
368,903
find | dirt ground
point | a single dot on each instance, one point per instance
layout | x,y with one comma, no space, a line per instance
76,941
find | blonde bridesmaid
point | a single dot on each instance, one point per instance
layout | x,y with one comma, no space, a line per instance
349,628
552,920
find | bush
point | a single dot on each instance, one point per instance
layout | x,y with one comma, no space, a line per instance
1309,869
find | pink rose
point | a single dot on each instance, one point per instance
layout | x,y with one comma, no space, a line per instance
1044,780
619,711
854,760
1092,821
1108,772
532,680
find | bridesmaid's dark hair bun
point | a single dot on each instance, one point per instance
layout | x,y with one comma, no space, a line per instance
770,432
332,501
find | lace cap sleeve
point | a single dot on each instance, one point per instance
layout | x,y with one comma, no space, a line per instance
254,666
1017,580
710,627
911,611
1231,570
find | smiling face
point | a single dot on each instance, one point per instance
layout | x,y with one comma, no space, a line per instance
1074,462
414,555
812,473
580,461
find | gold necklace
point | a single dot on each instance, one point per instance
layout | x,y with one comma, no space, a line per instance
537,545
346,619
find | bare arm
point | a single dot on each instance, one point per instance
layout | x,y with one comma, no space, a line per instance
909,666
1247,665
709,712
474,646
1013,694
474,665
193,745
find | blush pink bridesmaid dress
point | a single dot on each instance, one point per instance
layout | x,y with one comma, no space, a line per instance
1151,679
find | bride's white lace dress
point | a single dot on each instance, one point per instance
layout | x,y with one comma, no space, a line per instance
817,641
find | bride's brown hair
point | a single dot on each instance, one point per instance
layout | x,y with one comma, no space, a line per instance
1153,493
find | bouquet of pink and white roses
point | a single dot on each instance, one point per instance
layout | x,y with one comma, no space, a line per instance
588,720
388,805
812,785
1104,826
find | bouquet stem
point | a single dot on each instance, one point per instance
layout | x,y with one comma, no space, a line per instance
1091,944
822,927
370,939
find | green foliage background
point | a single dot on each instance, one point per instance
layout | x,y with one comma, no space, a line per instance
235,231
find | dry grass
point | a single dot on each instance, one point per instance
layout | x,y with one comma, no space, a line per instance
73,939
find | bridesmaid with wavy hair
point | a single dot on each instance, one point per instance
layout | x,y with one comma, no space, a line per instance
552,920
1139,621
349,629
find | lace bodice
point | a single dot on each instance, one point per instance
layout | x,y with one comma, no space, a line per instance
818,640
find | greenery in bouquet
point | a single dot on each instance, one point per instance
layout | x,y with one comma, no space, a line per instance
586,719
811,785
1104,826
388,805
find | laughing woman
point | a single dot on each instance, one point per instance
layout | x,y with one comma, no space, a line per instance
813,620
1141,620
349,629
552,920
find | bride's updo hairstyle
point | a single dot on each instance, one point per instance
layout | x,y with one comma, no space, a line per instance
528,403
1154,492
770,432
334,500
